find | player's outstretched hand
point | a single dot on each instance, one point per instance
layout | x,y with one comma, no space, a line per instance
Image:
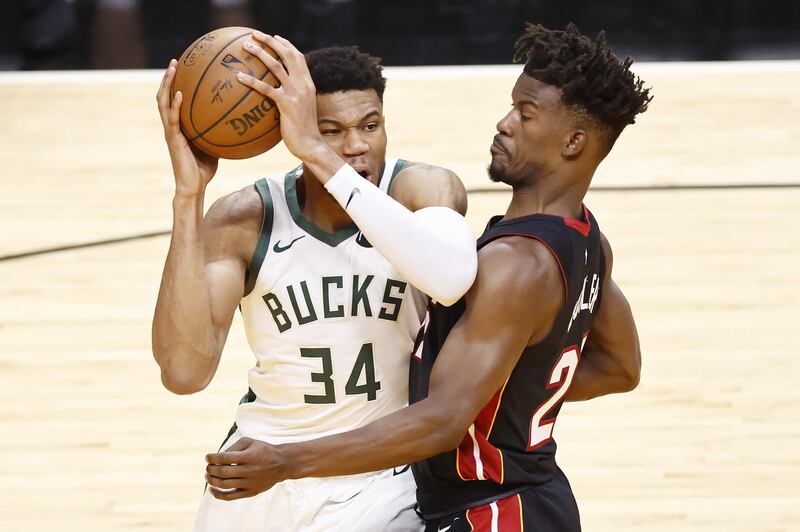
193,169
296,96
247,468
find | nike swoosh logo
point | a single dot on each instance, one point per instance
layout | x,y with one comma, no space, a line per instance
362,241
352,195
277,248
395,472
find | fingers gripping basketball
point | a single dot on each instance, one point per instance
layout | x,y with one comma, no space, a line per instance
219,115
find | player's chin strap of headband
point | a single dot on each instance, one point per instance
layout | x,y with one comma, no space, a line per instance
434,248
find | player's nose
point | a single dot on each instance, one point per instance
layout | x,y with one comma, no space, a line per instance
504,125
354,144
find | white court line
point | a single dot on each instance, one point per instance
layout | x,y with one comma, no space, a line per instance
417,72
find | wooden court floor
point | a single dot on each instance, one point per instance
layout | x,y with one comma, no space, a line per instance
91,441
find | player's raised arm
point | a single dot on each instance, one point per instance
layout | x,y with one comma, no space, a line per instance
203,275
611,360
433,247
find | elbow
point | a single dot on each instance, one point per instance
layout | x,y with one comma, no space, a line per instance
181,385
633,375
633,381
458,280
180,379
183,371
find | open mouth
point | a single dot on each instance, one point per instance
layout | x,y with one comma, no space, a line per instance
364,173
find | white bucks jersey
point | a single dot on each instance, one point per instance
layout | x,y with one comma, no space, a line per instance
330,321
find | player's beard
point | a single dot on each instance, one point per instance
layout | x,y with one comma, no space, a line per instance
496,173
499,173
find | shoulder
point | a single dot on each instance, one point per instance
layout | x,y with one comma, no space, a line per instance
522,270
419,185
524,263
241,207
519,283
233,223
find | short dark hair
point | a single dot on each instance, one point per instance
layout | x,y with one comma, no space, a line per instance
589,75
345,68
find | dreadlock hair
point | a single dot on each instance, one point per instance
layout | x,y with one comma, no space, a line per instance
345,68
594,82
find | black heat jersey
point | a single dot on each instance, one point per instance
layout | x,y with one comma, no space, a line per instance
510,447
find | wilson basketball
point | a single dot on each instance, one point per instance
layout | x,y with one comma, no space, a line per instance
219,115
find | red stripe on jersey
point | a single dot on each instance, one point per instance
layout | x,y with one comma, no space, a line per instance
480,518
491,458
465,463
510,514
580,226
484,421
506,513
485,464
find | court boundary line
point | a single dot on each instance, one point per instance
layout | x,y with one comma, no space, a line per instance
487,190
83,77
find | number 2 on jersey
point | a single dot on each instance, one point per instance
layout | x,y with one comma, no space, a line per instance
365,363
564,370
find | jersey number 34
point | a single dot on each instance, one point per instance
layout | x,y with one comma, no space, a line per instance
365,363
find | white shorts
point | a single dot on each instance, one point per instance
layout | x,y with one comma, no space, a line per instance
382,501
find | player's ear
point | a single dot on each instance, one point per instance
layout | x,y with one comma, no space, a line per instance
574,143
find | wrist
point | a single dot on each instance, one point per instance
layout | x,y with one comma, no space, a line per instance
187,199
322,161
288,467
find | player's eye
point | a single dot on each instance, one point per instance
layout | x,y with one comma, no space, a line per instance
330,132
372,126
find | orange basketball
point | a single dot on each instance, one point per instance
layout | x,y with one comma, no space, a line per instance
219,115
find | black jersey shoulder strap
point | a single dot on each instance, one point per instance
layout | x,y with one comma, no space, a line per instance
560,235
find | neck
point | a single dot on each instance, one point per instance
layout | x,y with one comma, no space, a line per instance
319,207
540,198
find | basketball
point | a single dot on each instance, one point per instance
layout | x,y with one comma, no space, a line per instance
219,115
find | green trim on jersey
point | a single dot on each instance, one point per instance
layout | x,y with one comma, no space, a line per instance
398,167
332,239
263,238
249,397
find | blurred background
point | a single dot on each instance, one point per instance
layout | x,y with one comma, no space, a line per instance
699,200
112,34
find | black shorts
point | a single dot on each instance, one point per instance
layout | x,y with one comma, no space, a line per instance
548,507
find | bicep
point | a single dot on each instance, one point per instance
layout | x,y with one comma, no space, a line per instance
228,239
476,359
226,287
487,341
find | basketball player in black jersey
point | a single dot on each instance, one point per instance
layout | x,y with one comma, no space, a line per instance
543,323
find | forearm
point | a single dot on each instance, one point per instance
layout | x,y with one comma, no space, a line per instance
600,374
404,437
183,340
434,248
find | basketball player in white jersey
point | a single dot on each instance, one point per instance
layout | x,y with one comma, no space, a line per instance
331,309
